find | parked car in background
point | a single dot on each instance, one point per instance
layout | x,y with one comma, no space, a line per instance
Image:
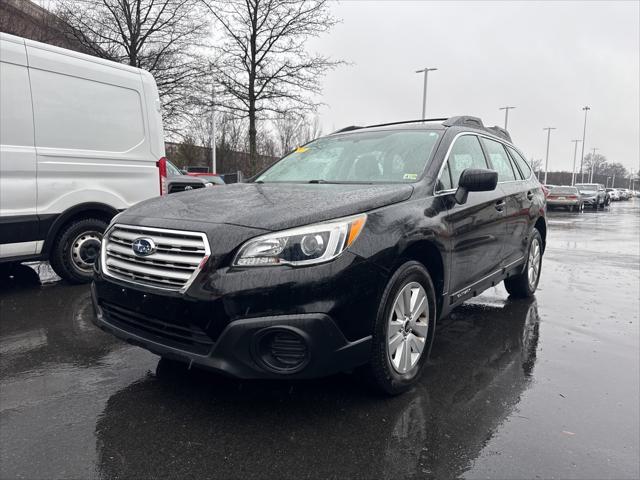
625,193
566,197
613,194
212,178
343,254
593,194
180,182
80,140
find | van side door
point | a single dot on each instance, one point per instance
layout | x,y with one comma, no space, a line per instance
18,216
476,227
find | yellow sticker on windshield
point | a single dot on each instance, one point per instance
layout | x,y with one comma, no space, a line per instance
301,149
410,176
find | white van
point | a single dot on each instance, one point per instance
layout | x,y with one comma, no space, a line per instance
80,140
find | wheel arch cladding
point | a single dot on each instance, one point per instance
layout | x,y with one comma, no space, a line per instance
78,212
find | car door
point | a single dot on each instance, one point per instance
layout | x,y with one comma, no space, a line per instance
517,203
18,218
476,227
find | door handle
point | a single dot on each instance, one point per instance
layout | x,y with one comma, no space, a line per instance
530,195
500,205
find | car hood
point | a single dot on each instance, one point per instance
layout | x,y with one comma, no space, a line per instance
274,206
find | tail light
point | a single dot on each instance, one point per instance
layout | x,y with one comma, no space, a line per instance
162,174
572,197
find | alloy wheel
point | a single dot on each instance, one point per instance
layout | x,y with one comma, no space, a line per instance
407,328
534,262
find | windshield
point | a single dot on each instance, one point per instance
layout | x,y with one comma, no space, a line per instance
172,170
588,187
364,157
562,190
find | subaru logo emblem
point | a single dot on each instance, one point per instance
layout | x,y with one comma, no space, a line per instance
143,246
188,187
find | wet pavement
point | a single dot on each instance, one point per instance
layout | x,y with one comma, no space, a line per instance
515,389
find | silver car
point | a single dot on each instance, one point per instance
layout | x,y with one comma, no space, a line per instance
566,197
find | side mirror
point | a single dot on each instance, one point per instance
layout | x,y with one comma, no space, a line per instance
475,180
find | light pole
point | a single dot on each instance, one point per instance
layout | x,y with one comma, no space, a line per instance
593,164
506,115
575,154
546,163
586,108
426,71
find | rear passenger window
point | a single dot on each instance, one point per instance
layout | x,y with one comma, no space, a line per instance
521,162
466,153
499,160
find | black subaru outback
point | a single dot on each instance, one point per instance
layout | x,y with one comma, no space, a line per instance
341,255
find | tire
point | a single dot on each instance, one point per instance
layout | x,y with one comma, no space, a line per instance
75,248
386,370
520,286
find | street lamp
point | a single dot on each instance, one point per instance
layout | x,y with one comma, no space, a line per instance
506,115
426,71
586,108
575,153
546,163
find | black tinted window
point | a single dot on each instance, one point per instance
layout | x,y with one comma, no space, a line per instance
466,153
521,162
499,160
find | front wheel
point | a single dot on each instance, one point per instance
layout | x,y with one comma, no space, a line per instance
524,284
403,329
76,249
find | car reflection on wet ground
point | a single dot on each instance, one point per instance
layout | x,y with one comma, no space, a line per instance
515,389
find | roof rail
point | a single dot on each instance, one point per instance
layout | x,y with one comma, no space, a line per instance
354,127
458,121
464,121
500,132
347,129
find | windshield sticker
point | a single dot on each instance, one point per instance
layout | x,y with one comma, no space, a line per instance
410,176
301,149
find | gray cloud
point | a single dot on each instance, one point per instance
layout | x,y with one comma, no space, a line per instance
548,59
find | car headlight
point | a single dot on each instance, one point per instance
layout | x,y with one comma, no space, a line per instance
308,245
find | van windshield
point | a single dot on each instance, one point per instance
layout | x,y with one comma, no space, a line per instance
364,157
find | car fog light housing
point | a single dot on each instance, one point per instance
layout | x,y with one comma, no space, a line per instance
308,245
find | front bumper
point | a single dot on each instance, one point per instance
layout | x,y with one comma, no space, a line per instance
220,323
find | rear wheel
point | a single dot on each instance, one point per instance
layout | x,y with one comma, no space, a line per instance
76,249
403,329
524,284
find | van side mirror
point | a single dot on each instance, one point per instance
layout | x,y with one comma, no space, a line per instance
475,180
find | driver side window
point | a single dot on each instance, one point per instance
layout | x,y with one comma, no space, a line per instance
465,153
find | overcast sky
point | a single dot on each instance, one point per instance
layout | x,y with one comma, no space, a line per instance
547,59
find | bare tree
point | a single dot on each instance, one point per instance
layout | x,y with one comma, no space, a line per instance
536,164
295,130
262,63
161,36
593,162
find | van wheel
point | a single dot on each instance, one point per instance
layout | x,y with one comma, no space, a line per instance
403,330
76,248
525,283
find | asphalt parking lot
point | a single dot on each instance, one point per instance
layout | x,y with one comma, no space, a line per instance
515,389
